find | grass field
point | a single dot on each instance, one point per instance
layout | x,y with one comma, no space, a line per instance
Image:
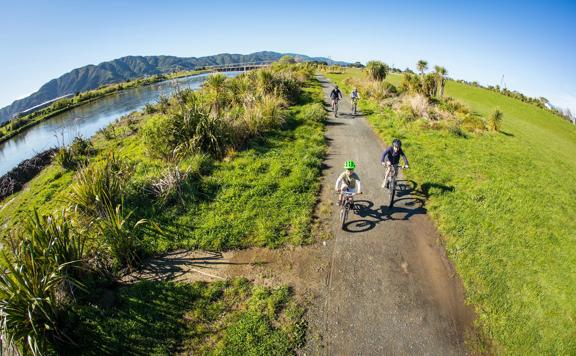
505,204
165,318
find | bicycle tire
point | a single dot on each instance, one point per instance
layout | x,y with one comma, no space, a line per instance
392,191
343,217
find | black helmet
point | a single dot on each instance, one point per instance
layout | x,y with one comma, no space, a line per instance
397,143
336,87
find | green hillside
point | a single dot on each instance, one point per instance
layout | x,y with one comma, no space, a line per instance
505,204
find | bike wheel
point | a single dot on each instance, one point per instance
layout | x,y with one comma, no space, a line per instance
343,217
392,192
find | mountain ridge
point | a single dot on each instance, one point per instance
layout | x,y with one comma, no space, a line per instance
92,76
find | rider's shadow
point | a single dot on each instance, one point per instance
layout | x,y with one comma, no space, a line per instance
369,215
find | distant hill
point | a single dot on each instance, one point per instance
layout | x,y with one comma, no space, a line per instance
126,68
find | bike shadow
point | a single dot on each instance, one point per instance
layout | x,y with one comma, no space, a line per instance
369,215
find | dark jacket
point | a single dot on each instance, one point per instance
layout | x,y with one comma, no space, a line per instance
393,157
336,94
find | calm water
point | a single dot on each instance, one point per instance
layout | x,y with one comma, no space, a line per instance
86,119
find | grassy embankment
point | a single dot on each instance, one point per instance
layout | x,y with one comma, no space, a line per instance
16,126
504,201
254,184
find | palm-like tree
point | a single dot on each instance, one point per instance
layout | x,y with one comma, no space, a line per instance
440,78
422,65
377,70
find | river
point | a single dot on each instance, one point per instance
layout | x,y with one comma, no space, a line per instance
87,119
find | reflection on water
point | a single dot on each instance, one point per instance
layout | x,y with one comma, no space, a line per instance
86,119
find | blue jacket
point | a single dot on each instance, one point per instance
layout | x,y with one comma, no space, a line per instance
393,157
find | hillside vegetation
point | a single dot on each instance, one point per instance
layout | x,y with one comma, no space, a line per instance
128,68
503,199
234,164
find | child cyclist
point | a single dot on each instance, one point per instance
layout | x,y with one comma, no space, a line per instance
348,181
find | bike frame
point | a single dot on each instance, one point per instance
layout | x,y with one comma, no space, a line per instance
347,205
354,105
392,176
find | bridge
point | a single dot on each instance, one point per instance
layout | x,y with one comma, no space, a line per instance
237,67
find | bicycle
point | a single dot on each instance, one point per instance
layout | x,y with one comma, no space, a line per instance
354,106
391,184
347,205
335,107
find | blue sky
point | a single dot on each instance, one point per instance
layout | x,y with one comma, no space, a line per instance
533,44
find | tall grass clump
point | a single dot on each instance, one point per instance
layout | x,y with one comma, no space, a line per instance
121,235
75,155
495,120
314,112
35,280
99,184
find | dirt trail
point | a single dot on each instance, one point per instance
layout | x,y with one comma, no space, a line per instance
382,287
391,289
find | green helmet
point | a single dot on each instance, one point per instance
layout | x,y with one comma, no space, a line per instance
349,164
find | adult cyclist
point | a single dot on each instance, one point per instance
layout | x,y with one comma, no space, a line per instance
391,157
335,95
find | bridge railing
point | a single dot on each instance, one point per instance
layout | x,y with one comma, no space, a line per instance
239,65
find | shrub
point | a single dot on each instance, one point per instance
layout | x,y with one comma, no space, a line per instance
160,135
150,109
99,184
411,83
75,155
121,236
264,115
163,104
495,120
376,70
64,158
169,186
452,105
314,112
378,90
418,104
44,260
472,123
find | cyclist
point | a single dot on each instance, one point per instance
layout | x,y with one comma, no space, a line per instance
348,181
335,95
391,157
354,96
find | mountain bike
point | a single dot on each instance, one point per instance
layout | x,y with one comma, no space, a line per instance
354,106
347,205
335,107
391,184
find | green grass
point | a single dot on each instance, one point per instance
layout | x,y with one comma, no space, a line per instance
263,195
505,204
162,318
